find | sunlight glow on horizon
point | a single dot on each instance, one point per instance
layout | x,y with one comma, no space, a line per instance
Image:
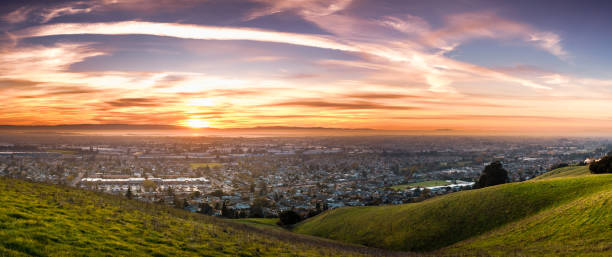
195,123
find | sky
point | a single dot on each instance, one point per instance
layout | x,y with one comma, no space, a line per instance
524,67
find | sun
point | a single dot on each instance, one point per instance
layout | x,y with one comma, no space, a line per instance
195,123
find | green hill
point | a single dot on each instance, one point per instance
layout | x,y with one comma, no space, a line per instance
506,217
46,220
570,171
579,228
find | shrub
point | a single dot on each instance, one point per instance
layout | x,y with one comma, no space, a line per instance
602,166
493,174
288,218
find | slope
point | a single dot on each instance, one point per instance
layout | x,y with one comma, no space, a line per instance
579,228
448,219
569,171
46,220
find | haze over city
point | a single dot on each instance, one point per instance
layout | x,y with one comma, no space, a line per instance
480,67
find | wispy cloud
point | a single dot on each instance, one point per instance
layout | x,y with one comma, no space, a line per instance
19,15
463,27
184,31
354,105
399,53
302,7
47,11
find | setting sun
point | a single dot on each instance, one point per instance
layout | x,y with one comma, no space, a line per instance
195,123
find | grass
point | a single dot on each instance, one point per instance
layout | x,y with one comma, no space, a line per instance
46,220
445,220
569,171
430,183
205,164
269,223
579,228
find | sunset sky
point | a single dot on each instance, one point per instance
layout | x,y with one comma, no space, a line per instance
505,66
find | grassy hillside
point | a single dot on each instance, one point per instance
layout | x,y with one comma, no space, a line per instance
445,220
268,223
579,228
570,171
46,220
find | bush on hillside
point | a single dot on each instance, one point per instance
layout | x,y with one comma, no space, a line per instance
602,166
493,174
288,218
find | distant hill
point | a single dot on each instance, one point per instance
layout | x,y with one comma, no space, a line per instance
565,213
46,220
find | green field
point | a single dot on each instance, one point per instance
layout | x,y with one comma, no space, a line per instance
205,164
46,220
566,215
430,183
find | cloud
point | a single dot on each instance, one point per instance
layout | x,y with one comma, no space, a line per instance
183,31
19,15
12,83
550,42
407,24
62,91
45,12
37,63
404,54
381,95
62,11
301,7
355,105
463,27
136,102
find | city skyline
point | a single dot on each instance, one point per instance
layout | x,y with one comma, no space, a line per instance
491,66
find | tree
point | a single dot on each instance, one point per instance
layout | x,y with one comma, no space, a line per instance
493,174
264,188
227,212
205,208
129,194
288,218
602,166
257,207
149,185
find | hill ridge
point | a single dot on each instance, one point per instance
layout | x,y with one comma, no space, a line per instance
427,226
